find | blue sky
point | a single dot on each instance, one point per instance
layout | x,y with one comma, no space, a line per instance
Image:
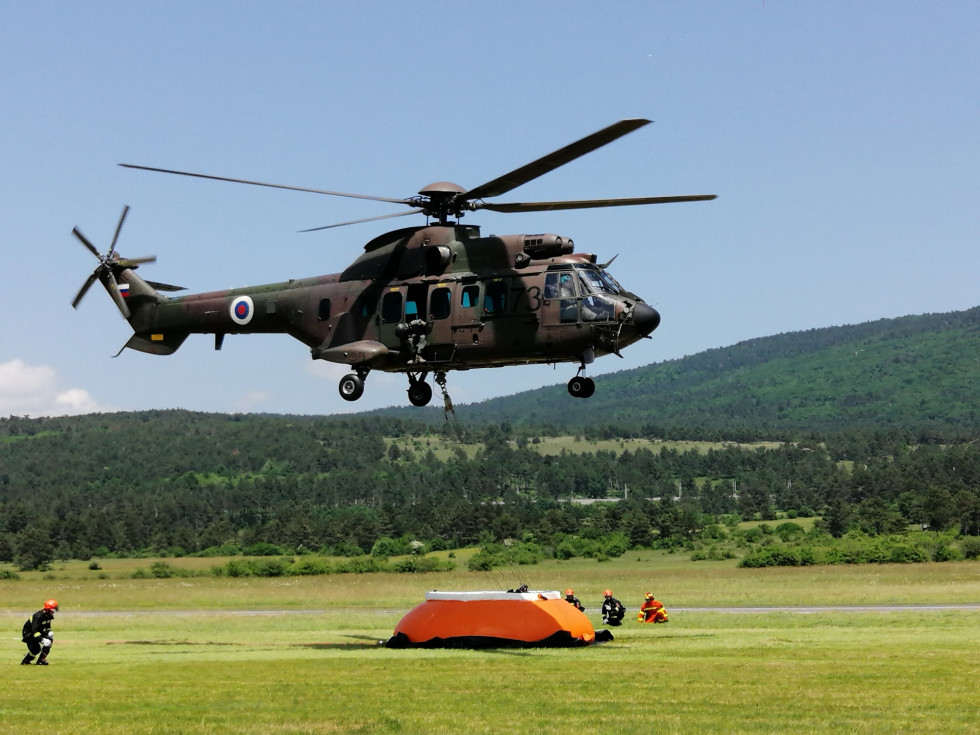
841,139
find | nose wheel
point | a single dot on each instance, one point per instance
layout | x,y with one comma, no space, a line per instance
581,386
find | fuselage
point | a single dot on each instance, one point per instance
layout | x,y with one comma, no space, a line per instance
439,296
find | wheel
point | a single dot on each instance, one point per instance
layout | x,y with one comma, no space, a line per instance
581,387
419,393
351,387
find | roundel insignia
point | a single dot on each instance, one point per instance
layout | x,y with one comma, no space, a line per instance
242,310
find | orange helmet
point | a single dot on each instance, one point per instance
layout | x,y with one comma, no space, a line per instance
569,592
648,596
607,593
51,605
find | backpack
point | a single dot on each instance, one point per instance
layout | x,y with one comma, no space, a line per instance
26,632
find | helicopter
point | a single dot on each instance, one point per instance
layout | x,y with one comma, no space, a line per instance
421,300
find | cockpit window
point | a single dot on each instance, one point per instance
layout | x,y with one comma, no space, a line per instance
597,309
613,283
596,281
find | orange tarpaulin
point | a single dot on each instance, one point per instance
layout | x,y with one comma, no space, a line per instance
481,619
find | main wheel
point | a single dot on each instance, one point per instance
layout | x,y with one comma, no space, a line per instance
351,387
419,393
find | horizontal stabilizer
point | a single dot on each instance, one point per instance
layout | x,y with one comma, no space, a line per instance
165,286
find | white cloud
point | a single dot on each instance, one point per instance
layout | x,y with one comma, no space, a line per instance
36,390
253,401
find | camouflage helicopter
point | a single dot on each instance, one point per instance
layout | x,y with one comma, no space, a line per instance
420,300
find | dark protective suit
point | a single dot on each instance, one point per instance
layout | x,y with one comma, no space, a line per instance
36,630
612,611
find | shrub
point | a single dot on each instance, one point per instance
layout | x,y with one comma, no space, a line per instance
161,570
616,544
907,553
237,568
420,564
945,552
311,566
271,567
386,546
788,531
970,547
361,565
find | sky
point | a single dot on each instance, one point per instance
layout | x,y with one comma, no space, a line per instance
841,139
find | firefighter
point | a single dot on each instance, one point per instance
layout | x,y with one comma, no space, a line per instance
652,610
37,634
612,609
571,599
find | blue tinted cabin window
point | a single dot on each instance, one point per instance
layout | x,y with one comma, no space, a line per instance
469,297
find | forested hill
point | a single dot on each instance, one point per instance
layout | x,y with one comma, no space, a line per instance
919,374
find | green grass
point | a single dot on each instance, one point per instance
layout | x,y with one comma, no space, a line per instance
443,449
181,655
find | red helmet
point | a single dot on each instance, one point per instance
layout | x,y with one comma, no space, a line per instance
569,592
649,595
51,605
607,593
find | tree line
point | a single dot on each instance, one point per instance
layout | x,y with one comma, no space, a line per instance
177,482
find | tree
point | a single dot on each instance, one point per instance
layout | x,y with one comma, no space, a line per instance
34,549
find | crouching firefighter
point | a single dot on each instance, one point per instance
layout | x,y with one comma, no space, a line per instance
652,610
612,609
37,634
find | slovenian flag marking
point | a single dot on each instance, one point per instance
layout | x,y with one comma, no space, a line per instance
242,310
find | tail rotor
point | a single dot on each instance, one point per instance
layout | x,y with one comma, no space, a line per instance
109,267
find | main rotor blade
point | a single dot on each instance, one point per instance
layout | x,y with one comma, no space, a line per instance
366,219
83,290
587,203
84,240
533,170
112,248
271,186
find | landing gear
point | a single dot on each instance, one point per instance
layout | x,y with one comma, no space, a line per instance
581,387
352,385
419,392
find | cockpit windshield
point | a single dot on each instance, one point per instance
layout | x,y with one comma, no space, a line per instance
598,281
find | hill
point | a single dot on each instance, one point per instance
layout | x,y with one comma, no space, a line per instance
916,374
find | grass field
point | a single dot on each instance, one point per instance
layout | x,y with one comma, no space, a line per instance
198,655
444,449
